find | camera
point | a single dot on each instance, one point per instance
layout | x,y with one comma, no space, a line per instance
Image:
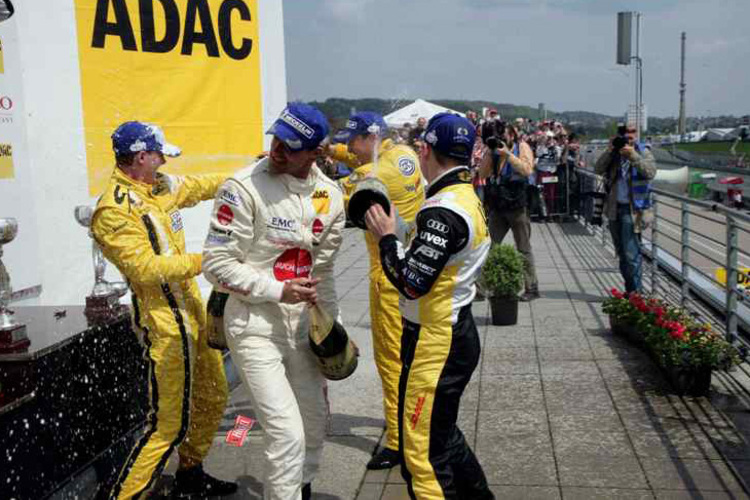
619,142
621,139
494,142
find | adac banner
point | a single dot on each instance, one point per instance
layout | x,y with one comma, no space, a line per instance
190,66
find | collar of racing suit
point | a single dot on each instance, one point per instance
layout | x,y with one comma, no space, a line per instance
138,187
295,184
385,146
456,175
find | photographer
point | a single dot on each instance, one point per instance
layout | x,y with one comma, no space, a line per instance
628,168
571,160
507,164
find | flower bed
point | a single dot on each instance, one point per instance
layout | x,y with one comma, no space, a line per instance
684,348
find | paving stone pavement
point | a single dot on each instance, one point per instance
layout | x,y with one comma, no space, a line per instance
557,409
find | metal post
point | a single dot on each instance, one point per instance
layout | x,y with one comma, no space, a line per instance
685,257
638,76
731,274
654,248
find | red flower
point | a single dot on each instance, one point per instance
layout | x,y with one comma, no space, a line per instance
676,334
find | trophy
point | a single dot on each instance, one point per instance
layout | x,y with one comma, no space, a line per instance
367,193
103,304
13,336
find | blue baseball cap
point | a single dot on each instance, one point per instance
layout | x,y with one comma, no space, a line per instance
300,126
133,137
452,135
365,122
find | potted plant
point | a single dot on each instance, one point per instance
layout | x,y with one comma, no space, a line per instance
629,315
502,280
686,350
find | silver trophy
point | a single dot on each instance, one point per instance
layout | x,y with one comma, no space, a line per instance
12,334
103,302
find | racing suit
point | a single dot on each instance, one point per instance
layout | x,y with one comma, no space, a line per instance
139,229
440,345
398,168
267,228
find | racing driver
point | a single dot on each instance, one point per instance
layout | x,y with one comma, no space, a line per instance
435,277
138,225
274,234
397,166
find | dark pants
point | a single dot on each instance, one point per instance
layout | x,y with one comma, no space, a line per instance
437,362
627,245
519,223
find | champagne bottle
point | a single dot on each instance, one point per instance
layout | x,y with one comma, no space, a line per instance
336,352
327,336
217,301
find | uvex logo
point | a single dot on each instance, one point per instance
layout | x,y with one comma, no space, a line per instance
197,26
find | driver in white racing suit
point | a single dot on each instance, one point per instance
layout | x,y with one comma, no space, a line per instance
274,233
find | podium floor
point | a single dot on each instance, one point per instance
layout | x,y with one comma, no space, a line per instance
557,409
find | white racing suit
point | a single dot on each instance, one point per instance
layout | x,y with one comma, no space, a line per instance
267,228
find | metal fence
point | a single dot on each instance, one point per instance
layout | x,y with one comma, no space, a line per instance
554,190
686,240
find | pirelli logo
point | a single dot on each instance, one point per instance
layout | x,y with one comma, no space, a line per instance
6,161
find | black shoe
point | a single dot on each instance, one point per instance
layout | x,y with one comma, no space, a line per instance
195,483
529,296
384,459
306,492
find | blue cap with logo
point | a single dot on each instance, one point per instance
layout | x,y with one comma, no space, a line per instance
300,126
363,123
452,135
133,137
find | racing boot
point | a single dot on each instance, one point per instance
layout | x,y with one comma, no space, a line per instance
194,483
386,458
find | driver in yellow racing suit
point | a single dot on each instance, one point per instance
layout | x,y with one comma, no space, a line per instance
397,166
138,225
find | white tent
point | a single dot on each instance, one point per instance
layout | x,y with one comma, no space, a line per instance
717,134
418,109
737,132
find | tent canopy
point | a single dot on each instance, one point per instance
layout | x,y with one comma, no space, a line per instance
410,113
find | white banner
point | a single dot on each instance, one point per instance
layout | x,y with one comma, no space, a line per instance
16,201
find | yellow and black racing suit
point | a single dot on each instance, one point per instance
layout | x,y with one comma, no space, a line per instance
440,345
139,229
398,168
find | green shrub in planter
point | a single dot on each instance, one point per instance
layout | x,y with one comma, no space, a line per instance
502,274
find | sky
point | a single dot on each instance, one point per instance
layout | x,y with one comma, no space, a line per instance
559,52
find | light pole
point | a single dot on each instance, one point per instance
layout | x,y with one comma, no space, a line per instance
625,57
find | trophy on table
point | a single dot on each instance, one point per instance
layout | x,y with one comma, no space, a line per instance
13,335
103,303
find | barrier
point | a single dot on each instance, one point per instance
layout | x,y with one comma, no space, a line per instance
686,242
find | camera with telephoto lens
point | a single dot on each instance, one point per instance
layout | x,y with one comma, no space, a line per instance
621,139
495,142
618,143
492,133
